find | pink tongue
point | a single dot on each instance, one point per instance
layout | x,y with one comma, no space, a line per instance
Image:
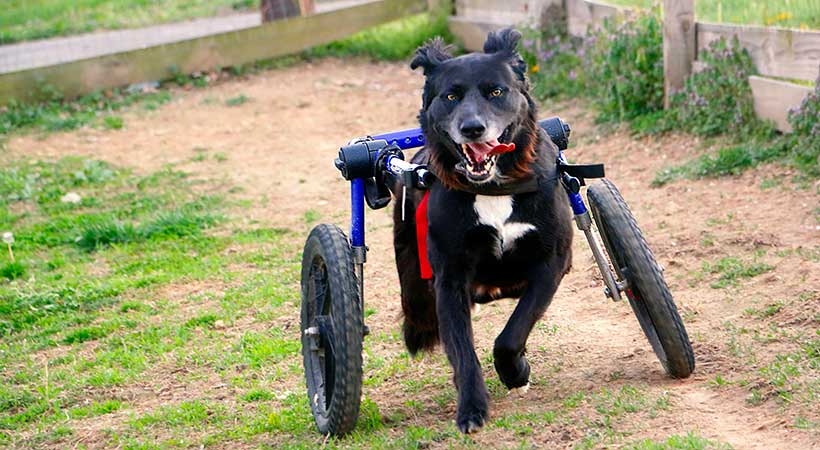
481,150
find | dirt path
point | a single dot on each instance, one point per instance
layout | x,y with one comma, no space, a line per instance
278,148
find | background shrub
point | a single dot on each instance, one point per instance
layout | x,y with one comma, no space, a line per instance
624,67
718,99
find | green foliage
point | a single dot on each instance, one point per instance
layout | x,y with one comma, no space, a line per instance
718,100
26,20
113,122
392,41
726,161
85,334
240,99
689,441
56,114
785,13
12,270
731,269
556,72
805,137
624,67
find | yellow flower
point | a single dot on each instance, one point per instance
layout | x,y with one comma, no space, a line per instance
535,69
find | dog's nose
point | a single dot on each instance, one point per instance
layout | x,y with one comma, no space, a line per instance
472,128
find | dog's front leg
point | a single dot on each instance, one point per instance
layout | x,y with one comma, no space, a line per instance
508,352
456,333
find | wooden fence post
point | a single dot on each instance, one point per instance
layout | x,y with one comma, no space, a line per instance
678,44
280,9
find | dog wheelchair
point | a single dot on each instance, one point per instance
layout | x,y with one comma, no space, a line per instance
332,314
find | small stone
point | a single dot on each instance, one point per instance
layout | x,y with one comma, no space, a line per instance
71,197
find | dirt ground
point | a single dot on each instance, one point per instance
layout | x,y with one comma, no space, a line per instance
279,148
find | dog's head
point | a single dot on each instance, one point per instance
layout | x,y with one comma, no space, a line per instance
477,114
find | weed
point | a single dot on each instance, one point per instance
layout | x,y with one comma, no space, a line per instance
241,99
54,113
312,216
85,334
113,122
392,41
624,63
731,270
12,270
689,441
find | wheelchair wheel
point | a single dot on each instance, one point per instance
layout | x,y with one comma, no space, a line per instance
646,290
331,330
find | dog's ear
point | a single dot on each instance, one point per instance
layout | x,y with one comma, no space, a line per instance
505,40
430,55
504,43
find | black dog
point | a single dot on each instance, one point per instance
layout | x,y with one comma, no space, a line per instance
499,225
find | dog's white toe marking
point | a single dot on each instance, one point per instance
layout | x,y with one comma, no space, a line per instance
472,427
476,309
520,391
494,210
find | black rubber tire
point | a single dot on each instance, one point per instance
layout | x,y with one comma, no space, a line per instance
647,291
333,369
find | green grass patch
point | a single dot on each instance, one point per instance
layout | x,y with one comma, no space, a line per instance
26,20
786,13
392,41
240,99
688,441
730,270
54,113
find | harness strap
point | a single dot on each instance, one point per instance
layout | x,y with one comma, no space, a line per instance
421,238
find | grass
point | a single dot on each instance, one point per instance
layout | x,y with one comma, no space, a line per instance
786,13
96,109
726,161
396,40
730,270
689,441
26,20
138,235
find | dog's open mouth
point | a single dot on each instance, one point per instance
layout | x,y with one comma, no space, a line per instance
480,157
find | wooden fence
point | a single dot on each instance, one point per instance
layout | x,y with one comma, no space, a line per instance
776,52
272,39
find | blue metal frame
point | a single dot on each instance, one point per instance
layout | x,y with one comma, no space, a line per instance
405,139
575,199
357,212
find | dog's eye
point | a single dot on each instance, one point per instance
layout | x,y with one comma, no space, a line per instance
452,97
496,92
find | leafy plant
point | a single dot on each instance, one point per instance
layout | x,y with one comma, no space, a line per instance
805,137
624,65
718,99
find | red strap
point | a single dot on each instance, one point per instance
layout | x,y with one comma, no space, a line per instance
421,238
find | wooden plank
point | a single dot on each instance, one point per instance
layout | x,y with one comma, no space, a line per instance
581,14
472,32
774,98
678,45
777,52
277,38
512,11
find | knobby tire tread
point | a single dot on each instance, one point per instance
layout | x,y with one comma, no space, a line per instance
656,298
348,326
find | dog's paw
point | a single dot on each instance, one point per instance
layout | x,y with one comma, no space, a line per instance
515,374
471,423
519,391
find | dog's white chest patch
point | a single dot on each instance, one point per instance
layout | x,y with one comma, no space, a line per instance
495,211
